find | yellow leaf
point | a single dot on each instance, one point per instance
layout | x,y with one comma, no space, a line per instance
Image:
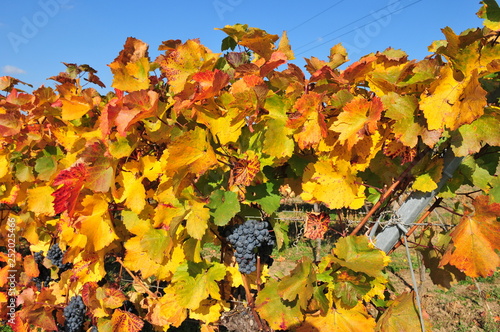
136,259
4,165
134,194
358,119
209,311
333,184
284,46
224,127
197,220
451,103
40,200
96,223
74,108
151,167
400,316
340,320
424,183
166,310
134,224
189,153
131,67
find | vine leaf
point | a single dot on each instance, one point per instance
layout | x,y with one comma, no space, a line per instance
72,181
223,205
469,138
208,312
358,254
490,12
402,109
95,222
194,282
316,225
451,103
197,219
339,320
299,285
309,120
131,68
210,83
126,321
359,119
134,193
401,315
350,287
279,313
166,310
476,240
333,184
183,61
41,200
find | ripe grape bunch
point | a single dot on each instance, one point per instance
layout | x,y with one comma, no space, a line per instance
246,239
56,255
74,314
44,277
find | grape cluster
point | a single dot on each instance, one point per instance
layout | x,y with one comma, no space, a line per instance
247,239
43,278
74,314
56,255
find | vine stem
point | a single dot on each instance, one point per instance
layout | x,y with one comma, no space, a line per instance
382,199
251,302
137,280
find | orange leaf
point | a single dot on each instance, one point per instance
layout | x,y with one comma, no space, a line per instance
72,181
126,321
209,83
244,171
476,241
316,225
309,120
358,120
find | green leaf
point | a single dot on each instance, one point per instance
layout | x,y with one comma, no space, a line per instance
359,254
478,175
155,242
228,43
495,190
223,205
279,313
299,284
45,166
350,287
266,195
194,282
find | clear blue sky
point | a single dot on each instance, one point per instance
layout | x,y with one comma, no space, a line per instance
36,36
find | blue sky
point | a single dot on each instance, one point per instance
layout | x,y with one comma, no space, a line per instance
36,36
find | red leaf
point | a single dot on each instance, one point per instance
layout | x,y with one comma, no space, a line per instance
72,181
209,83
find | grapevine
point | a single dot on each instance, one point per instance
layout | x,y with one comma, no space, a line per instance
116,197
